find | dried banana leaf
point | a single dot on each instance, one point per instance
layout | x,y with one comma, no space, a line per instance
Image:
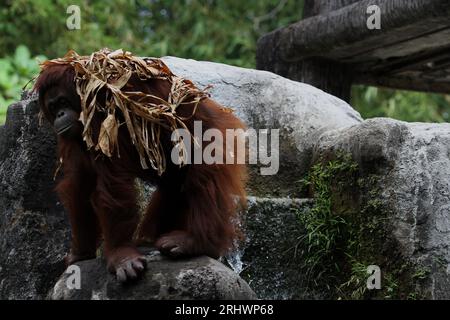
111,71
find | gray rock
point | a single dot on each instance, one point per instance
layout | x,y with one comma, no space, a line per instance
270,258
412,165
34,231
267,101
198,278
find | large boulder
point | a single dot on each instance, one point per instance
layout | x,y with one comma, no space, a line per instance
34,231
265,100
198,278
401,200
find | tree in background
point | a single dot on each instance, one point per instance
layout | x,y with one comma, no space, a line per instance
215,30
400,104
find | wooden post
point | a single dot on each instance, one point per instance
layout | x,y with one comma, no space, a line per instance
333,47
327,75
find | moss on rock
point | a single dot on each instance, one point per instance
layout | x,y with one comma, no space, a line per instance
349,229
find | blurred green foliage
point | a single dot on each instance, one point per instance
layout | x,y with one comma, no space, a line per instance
402,105
15,72
216,30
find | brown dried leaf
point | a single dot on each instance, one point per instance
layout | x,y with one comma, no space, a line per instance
107,139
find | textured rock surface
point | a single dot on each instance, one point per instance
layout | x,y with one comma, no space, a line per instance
33,228
270,259
412,162
197,278
267,101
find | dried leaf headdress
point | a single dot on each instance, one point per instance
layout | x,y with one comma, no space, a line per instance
111,70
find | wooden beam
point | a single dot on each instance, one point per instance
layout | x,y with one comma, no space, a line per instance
404,83
425,35
334,34
404,63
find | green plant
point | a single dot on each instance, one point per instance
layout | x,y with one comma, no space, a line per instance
15,72
348,229
357,282
421,273
326,232
392,287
